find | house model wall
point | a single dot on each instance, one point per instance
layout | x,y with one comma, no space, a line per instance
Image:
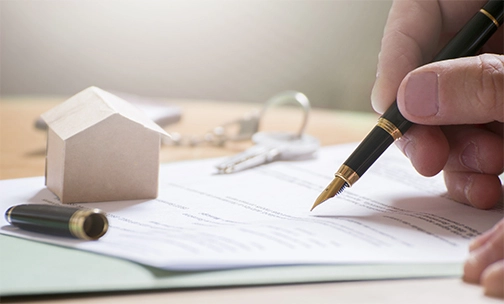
101,148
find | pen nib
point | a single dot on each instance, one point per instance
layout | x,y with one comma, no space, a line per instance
335,187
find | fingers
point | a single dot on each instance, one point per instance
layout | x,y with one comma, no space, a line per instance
482,191
485,264
426,147
474,149
404,46
472,157
412,36
487,253
466,90
492,279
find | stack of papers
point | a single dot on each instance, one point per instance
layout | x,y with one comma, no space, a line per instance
260,219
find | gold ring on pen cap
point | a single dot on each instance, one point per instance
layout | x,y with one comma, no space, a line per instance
484,12
347,174
88,224
389,127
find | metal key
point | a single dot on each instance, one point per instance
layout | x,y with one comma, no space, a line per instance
269,147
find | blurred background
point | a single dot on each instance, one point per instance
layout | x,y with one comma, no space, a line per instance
240,50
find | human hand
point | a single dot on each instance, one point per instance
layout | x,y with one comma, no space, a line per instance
457,105
486,261
464,96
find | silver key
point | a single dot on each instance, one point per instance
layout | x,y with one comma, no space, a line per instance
269,147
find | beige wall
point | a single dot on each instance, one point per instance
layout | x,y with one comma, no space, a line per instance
225,50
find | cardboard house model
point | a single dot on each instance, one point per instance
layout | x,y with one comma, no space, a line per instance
101,148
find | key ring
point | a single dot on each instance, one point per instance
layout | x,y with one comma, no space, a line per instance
290,97
244,127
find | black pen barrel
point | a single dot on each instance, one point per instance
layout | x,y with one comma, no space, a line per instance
58,220
378,140
475,32
368,151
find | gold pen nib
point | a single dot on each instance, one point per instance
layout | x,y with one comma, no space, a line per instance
336,186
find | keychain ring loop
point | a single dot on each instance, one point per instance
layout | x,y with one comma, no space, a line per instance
290,97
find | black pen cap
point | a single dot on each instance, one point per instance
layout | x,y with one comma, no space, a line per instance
86,224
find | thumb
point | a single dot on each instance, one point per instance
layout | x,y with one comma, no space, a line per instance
460,91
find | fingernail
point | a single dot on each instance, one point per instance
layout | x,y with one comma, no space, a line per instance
471,259
469,157
473,244
375,96
421,94
470,272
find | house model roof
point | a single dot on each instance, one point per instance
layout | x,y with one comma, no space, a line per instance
89,107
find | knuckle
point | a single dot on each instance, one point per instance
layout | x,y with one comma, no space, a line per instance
406,54
490,94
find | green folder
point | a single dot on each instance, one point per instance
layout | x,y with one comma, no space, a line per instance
34,268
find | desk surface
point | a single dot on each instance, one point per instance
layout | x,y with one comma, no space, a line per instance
22,151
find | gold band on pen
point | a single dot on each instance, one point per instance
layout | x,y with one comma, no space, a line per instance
484,12
347,174
81,224
76,224
389,127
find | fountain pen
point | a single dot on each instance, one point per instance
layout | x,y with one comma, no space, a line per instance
392,125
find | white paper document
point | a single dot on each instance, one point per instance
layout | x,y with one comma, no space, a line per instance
261,217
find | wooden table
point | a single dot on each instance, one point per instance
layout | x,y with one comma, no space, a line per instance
22,151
